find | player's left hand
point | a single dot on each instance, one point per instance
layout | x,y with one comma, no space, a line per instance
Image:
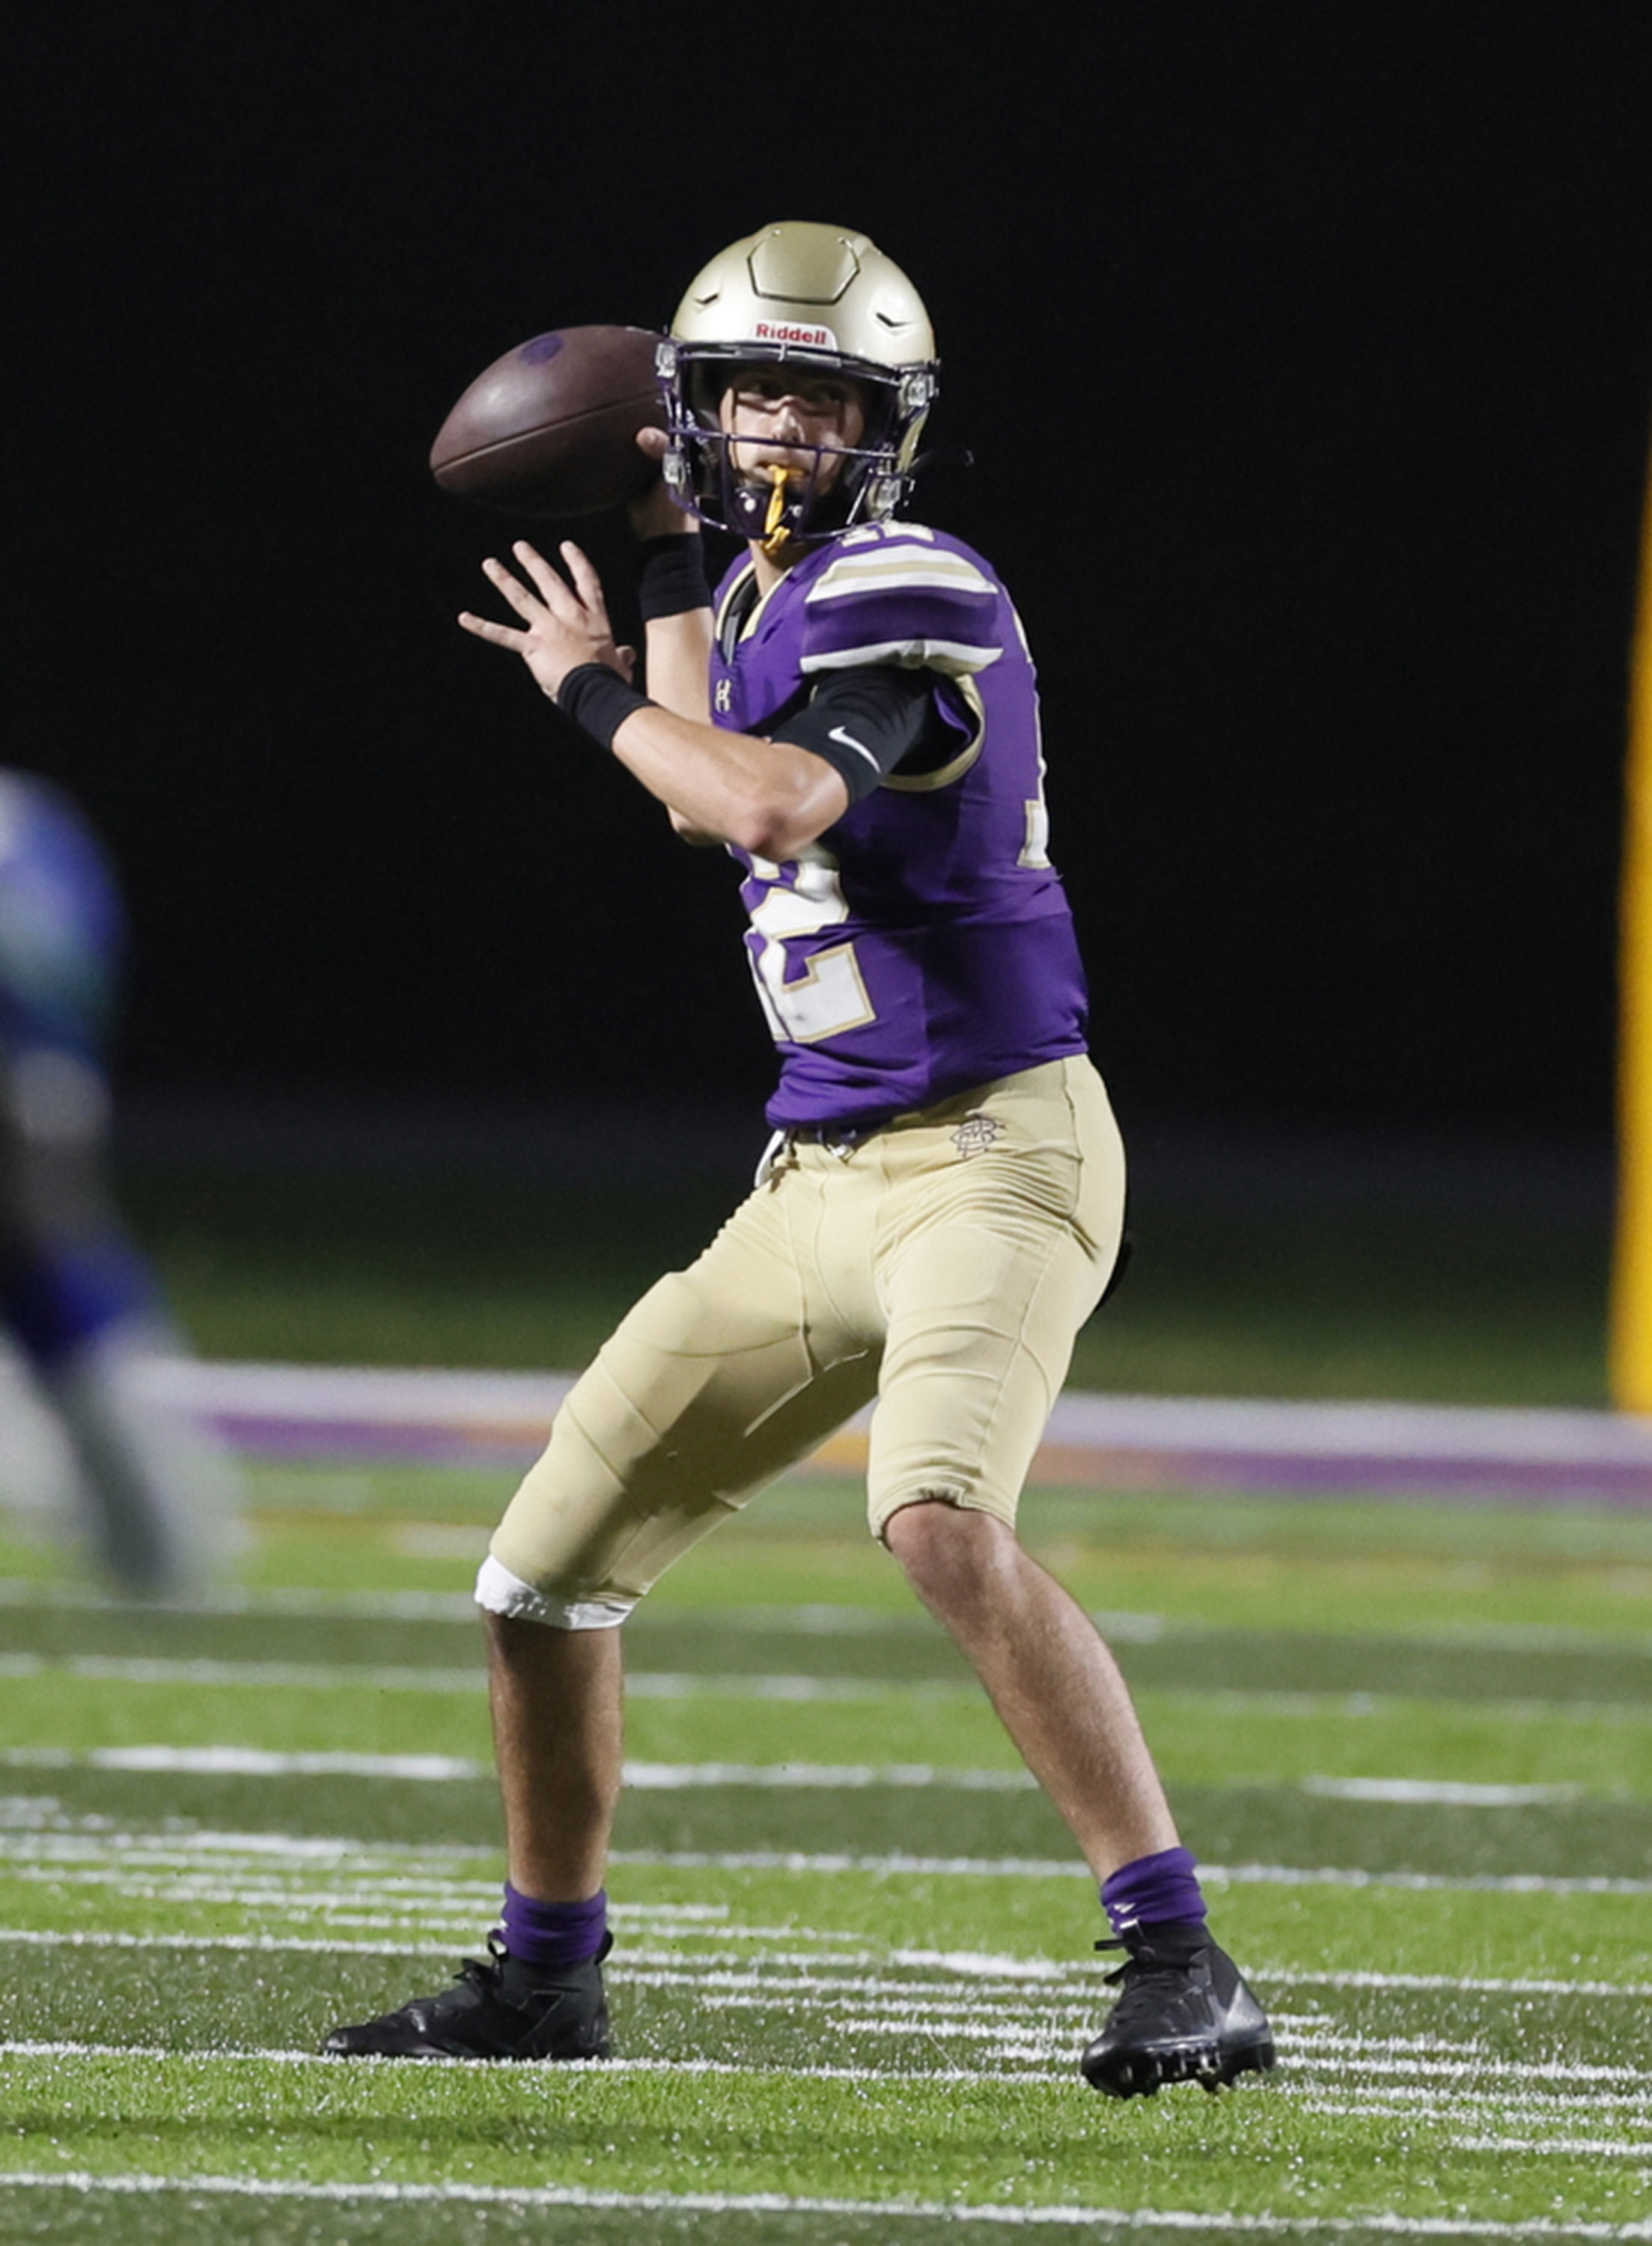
564,619
656,513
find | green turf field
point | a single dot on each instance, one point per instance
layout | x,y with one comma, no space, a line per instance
1275,1284
855,1960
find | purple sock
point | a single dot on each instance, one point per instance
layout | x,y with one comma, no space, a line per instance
1153,1889
553,1933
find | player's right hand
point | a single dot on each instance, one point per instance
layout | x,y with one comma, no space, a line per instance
564,620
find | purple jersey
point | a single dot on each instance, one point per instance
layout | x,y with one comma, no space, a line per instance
923,943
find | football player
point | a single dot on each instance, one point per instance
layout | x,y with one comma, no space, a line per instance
158,1499
854,717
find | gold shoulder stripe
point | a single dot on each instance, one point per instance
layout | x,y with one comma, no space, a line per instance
899,568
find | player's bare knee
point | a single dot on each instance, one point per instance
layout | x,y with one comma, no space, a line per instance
946,1550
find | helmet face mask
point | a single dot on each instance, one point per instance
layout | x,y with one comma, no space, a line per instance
828,303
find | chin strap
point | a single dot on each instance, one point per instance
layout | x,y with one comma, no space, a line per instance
775,534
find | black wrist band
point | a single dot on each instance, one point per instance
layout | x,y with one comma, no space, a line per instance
673,576
599,700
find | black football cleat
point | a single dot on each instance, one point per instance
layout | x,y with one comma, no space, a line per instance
1184,2015
499,2007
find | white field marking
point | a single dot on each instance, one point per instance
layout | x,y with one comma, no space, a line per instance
662,1777
225,1886
1592,2084
809,1620
101,1841
1015,1977
642,1684
468,1906
271,1599
1566,2147
1235,1700
180,1848
1451,1791
1419,1883
249,1762
1032,2061
1593,2106
1470,1984
407,1903
819,1620
813,1620
35,1843
441,1944
1199,2224
1037,2056
1038,1868
1027,2035
1505,2107
299,1944
1338,2046
255,2055
284,1675
683,1684
669,1777
440,1940
402,1935
646,1777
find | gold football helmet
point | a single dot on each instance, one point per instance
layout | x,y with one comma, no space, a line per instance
829,301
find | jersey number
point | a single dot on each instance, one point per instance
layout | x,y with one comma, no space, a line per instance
830,995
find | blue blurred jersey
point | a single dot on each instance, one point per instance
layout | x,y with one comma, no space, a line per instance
67,1273
61,929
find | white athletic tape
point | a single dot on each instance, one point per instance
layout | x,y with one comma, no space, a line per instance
498,1591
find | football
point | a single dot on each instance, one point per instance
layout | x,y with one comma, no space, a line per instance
551,428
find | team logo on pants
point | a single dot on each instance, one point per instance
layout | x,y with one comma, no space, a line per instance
975,1134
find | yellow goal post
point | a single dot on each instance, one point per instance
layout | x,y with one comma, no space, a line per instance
1630,1345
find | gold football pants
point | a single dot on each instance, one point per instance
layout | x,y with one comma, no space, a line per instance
943,1264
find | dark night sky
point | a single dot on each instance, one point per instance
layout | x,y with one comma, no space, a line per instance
1305,352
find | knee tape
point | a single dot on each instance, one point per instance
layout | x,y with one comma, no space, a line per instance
498,1591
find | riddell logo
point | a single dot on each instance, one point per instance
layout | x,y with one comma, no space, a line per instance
776,331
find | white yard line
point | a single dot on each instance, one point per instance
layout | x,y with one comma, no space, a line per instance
1586,2101
247,1762
767,2070
1446,1792
1146,2219
742,1685
1573,2148
23,1846
346,1677
1131,1626
1039,1868
1473,1983
1030,1980
265,1601
646,1777
663,1777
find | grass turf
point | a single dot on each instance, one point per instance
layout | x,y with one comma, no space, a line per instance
841,2014
1267,1292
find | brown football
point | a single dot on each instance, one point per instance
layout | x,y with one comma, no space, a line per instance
551,428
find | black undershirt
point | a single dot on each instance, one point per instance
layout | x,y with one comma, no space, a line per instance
870,722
